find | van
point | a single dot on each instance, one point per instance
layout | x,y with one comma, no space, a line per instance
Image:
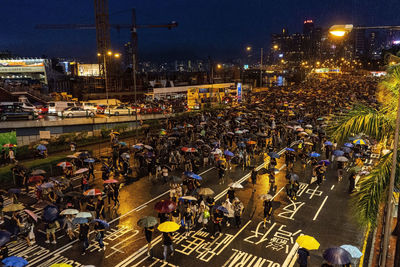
24,105
56,106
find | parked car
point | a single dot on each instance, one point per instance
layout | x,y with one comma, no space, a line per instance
57,106
150,109
101,108
16,112
120,110
75,112
89,106
41,110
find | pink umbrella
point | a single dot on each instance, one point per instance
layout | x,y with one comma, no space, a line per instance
32,214
110,181
81,170
93,192
300,130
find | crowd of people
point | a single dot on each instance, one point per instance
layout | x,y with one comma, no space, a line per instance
239,136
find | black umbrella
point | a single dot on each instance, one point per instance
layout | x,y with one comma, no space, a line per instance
50,213
73,194
4,237
337,255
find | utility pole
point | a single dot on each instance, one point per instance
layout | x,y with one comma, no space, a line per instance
134,60
261,65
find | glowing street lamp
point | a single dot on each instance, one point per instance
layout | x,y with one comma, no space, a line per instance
219,66
117,55
275,47
248,48
340,30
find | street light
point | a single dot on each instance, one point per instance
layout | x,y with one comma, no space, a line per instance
109,53
341,31
248,48
275,47
219,66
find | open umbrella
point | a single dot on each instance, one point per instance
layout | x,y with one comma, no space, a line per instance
236,185
205,191
137,147
223,209
80,220
38,172
61,265
41,147
72,157
83,214
14,261
50,213
337,256
110,181
359,142
148,221
190,198
348,145
328,143
148,147
89,160
274,155
193,175
314,155
92,192
342,159
189,149
228,153
69,212
168,227
122,143
80,171
325,161
32,214
354,251
290,149
47,185
103,223
346,149
338,153
14,190
294,177
165,206
5,237
13,207
307,242
9,145
265,197
64,164
35,178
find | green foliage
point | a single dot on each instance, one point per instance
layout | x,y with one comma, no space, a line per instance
105,132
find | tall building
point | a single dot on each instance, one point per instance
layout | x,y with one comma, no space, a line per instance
128,55
359,43
308,27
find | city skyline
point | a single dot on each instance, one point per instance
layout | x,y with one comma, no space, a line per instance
214,29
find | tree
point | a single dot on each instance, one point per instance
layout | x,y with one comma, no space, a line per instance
379,123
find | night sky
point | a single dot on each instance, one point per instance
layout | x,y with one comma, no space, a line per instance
217,28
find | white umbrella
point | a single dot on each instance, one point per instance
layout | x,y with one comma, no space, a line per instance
69,212
84,215
342,159
81,170
189,198
236,185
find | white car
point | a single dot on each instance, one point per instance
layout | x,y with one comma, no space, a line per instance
73,112
120,110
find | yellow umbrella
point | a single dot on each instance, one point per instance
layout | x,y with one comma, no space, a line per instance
309,131
307,242
359,142
168,227
13,207
61,265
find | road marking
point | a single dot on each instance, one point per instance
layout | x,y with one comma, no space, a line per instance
278,192
333,186
318,211
233,238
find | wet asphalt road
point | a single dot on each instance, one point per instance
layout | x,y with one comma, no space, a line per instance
320,211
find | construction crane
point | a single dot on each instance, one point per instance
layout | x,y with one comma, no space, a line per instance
102,28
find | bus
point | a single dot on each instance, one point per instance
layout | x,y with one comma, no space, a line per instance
198,98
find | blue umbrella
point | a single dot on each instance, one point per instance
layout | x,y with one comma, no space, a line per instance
14,190
50,213
224,210
80,220
103,223
274,155
193,175
337,256
346,149
137,147
314,155
290,149
14,261
328,143
4,237
122,143
228,153
89,160
354,251
348,145
47,185
242,144
41,147
338,153
325,161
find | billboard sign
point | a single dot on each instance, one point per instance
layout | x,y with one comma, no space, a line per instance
21,65
239,92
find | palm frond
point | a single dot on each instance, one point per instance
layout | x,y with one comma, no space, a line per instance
361,119
372,190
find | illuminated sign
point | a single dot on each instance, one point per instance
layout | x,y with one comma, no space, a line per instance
246,67
327,70
396,42
21,65
239,92
88,70
308,21
378,73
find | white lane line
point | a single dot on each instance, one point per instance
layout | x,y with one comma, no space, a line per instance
313,192
278,192
318,211
233,238
333,186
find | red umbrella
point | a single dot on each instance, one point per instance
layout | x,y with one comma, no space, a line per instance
110,181
93,192
165,206
299,130
189,149
35,178
64,164
32,214
9,145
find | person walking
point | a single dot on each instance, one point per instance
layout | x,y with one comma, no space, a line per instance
267,211
254,179
70,226
167,243
303,256
51,228
100,229
100,207
148,233
188,219
352,182
84,236
238,210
